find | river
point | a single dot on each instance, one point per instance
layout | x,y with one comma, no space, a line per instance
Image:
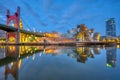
59,63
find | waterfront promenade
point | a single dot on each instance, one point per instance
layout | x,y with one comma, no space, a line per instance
66,43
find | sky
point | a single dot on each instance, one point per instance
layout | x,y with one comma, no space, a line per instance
63,15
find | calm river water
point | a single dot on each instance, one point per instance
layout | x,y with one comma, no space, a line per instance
59,63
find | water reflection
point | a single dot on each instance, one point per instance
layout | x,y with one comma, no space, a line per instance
11,56
111,57
83,53
12,69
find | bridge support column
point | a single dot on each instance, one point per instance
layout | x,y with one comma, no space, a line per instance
18,37
13,37
16,19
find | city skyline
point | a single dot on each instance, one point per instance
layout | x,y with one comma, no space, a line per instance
54,15
59,39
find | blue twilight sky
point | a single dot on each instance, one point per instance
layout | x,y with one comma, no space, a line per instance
62,15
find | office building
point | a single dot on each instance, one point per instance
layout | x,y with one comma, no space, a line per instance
111,28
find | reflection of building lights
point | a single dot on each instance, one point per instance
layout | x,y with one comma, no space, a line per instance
11,63
20,62
33,57
35,49
12,48
103,46
118,46
108,65
29,49
111,57
27,57
92,52
44,50
26,51
84,54
47,51
98,49
19,55
80,50
40,54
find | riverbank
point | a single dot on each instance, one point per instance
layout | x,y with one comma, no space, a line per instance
66,43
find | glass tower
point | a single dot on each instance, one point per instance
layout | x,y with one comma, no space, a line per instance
111,27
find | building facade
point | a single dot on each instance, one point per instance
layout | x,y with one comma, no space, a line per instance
111,27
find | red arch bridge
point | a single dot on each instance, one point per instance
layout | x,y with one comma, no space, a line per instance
15,34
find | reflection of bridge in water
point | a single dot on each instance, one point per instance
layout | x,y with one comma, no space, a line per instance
12,55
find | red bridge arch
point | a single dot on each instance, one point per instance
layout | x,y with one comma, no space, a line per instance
15,17
16,20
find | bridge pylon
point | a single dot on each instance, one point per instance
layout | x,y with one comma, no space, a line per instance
13,36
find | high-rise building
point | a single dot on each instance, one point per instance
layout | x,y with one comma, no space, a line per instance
111,27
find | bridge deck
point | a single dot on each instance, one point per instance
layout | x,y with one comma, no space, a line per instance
31,33
12,29
7,28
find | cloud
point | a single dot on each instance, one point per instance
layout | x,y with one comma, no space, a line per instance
43,24
63,22
59,28
51,16
88,17
114,1
34,14
72,11
2,18
47,4
57,7
30,9
2,9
